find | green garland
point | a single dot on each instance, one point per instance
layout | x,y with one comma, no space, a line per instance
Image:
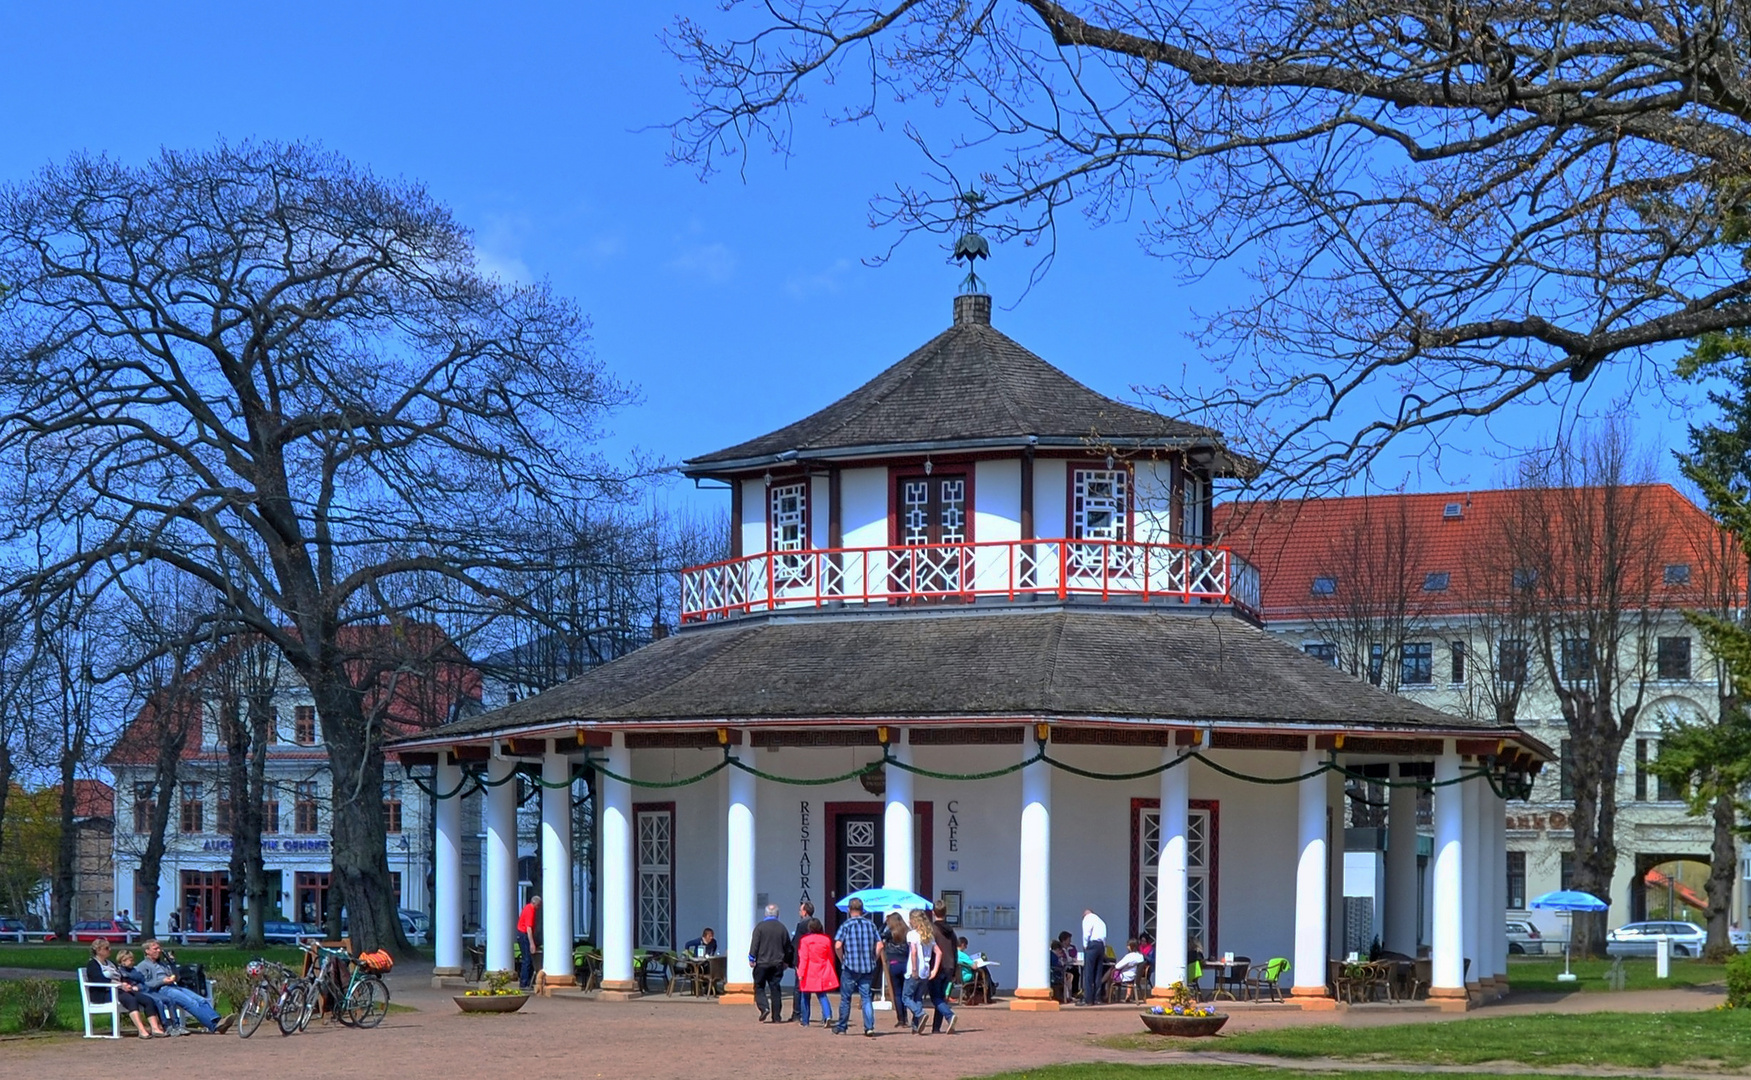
474,781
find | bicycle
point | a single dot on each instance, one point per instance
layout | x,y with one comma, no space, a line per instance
277,993
362,999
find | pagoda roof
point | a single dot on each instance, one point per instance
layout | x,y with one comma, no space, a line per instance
969,387
968,666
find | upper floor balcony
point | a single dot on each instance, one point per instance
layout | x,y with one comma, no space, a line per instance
992,571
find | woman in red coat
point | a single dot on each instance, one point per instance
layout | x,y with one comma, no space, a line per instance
815,973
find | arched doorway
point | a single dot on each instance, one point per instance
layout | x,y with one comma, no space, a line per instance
1670,885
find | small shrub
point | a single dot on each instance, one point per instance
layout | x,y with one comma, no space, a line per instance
230,988
1739,982
37,1000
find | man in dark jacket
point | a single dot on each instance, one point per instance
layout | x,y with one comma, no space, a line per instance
769,953
948,943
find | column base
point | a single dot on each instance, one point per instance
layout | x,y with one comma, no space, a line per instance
619,990
1313,998
1033,1000
439,971
449,982
1456,992
737,994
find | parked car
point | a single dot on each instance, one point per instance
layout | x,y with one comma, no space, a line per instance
14,930
124,930
1641,939
416,925
1740,939
1523,937
283,933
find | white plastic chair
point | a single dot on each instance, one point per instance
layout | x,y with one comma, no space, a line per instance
113,1007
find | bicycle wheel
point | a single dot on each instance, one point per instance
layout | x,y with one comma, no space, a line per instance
367,1003
292,1008
255,1007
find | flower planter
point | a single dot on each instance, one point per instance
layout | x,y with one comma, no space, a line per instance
1188,1027
497,1003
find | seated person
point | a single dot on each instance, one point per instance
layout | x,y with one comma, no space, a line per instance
159,972
133,999
963,962
1129,964
703,945
1146,946
1064,965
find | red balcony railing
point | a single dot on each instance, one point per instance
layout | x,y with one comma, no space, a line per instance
1006,569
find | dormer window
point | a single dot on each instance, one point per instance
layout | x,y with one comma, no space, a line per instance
1324,585
1436,581
1677,574
1099,504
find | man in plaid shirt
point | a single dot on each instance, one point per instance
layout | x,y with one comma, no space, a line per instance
859,945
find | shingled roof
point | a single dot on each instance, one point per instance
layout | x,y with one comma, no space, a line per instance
970,386
1057,663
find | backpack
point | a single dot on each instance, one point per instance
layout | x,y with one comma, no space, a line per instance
378,961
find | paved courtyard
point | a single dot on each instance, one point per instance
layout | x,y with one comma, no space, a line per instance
679,1039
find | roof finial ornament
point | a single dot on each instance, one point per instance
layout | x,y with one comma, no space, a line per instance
971,246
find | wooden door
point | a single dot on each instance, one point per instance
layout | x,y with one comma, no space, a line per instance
932,510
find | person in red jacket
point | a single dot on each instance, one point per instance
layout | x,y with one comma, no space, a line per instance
815,974
526,942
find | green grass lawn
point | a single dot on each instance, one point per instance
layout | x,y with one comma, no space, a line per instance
1630,1040
64,958
1538,974
1101,1071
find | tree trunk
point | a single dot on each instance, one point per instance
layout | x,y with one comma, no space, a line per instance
1722,868
170,744
360,859
1594,750
66,848
254,872
5,786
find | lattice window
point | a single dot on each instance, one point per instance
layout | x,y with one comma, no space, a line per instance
788,504
1200,885
656,879
915,512
953,516
860,834
1098,504
860,870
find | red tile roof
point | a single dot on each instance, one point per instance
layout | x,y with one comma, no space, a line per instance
1394,538
91,799
411,703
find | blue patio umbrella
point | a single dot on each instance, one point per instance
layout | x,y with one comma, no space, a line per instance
885,900
1569,900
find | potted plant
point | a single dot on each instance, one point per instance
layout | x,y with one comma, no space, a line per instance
497,996
1183,1015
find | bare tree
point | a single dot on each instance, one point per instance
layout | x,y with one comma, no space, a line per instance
1370,601
1588,554
280,376
1452,206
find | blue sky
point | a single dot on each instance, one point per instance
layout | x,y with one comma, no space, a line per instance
734,306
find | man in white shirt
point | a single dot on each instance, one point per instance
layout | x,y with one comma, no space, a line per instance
1094,954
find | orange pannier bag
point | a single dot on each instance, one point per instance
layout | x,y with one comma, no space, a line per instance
378,961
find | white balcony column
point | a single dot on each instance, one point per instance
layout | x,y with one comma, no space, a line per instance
1447,944
501,863
617,981
1033,917
556,867
740,892
899,861
1312,880
1471,891
1401,866
1170,882
447,883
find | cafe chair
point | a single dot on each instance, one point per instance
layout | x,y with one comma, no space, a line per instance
1231,979
1261,979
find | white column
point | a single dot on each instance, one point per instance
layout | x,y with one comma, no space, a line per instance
1498,821
741,893
1033,917
1471,891
1447,941
448,900
556,867
898,858
1170,884
1401,867
617,870
1311,880
501,865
